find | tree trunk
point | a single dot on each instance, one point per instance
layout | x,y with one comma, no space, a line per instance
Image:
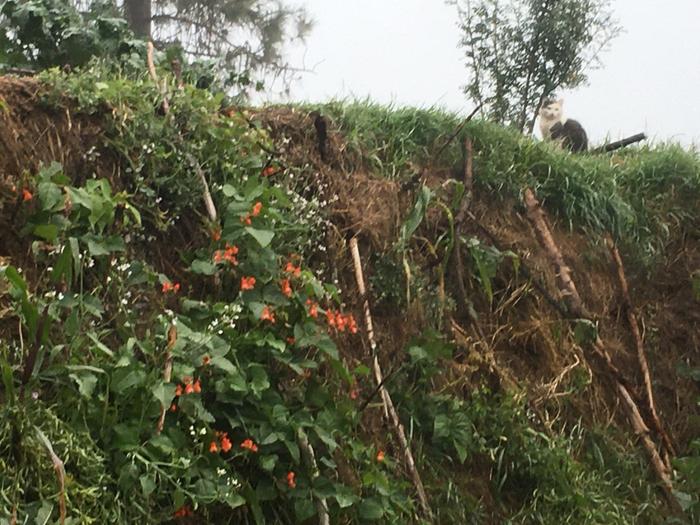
138,15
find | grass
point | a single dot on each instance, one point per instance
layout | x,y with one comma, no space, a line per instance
643,196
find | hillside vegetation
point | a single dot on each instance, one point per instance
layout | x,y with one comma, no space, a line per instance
162,366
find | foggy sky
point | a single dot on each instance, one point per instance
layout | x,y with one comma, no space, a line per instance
406,52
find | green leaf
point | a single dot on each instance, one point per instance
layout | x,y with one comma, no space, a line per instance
147,485
100,346
7,380
416,216
370,509
344,496
86,384
264,237
224,364
15,279
124,380
325,437
417,353
230,191
254,505
63,267
178,498
585,332
203,267
48,232
441,426
104,246
259,380
304,509
50,196
75,251
234,500
164,392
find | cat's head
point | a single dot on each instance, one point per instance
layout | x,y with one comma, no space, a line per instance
552,109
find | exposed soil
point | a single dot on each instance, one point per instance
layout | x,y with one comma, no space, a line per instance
519,340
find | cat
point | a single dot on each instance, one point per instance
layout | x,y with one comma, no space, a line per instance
554,126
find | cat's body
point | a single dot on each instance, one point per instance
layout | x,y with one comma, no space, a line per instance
554,126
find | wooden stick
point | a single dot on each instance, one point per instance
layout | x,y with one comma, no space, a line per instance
309,457
468,183
456,131
606,148
208,201
641,356
460,221
389,409
167,372
154,76
567,287
564,279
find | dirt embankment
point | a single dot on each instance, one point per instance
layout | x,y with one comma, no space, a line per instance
519,339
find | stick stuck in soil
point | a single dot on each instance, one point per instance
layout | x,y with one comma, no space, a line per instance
389,409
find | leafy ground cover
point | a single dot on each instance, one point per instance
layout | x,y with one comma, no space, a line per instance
177,367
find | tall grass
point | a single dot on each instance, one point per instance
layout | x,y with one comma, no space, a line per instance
643,196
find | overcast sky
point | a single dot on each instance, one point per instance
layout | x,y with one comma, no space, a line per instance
405,51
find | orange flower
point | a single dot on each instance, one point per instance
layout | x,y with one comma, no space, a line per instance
247,283
226,444
313,308
206,360
170,287
380,456
257,208
189,388
178,390
173,407
294,270
27,195
267,315
270,170
213,448
291,482
340,321
286,287
354,394
291,340
249,445
228,254
352,325
216,234
182,512
330,318
197,387
246,220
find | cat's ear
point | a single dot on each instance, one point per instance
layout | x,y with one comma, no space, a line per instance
561,101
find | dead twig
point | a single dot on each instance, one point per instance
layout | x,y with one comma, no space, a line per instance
620,143
167,372
60,473
457,131
562,272
309,458
641,356
389,409
567,288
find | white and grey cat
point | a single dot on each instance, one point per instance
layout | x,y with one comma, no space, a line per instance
554,126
